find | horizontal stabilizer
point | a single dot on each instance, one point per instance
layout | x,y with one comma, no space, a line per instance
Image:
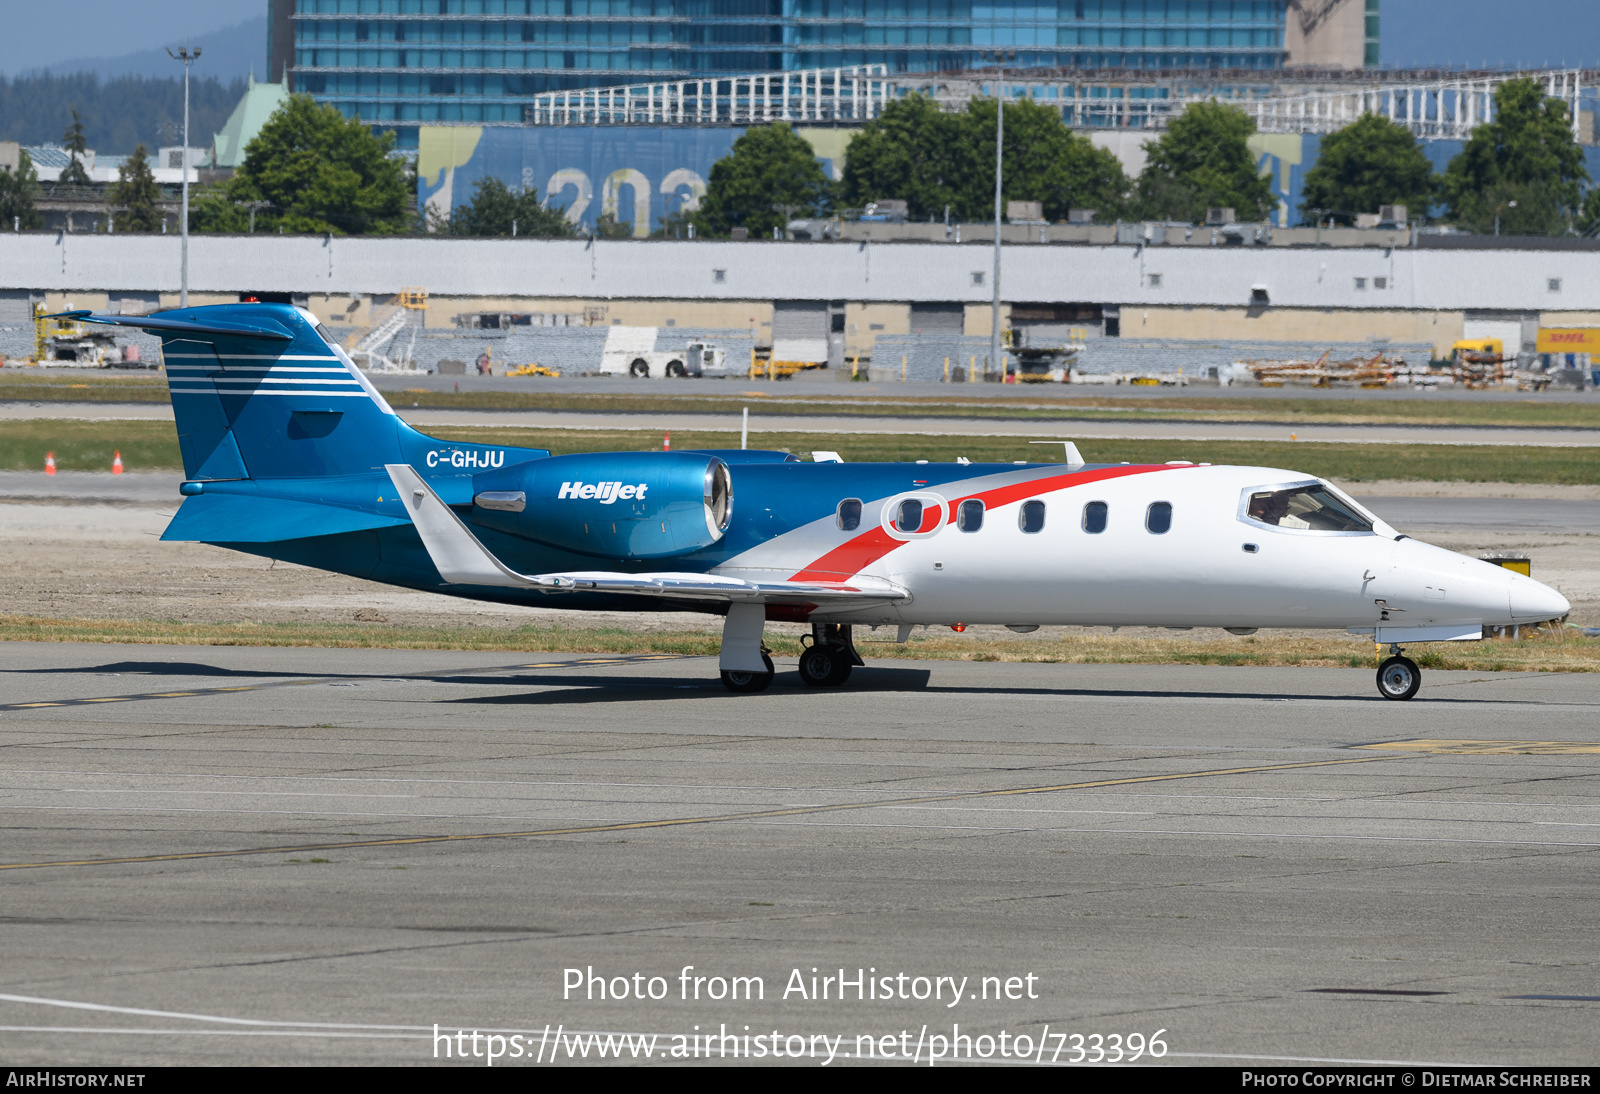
462,559
238,518
175,326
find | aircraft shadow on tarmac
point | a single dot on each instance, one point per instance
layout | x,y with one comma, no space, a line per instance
560,688
572,689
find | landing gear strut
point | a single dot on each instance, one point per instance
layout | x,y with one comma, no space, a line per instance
1398,677
827,661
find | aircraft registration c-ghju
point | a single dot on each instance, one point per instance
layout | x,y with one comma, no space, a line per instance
289,452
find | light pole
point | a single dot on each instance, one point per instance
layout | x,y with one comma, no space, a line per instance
1000,57
1497,208
187,56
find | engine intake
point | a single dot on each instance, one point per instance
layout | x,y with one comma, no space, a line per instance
623,505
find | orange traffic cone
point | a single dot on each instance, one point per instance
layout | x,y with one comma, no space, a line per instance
666,442
49,463
116,463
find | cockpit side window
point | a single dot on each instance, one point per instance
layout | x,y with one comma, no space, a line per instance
322,332
1304,508
849,515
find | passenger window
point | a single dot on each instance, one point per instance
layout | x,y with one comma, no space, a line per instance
1094,517
849,517
909,518
969,518
1031,519
1158,518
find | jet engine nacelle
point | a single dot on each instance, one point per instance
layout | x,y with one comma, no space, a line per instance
624,505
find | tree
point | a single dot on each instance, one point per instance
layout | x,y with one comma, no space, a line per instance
1589,218
931,159
1043,161
77,145
136,193
496,208
1200,162
768,175
17,190
322,172
913,152
1525,155
1371,163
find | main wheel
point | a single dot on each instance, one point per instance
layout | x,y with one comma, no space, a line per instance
824,666
748,683
640,368
1399,678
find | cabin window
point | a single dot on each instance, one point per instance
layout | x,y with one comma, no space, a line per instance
969,518
1158,518
849,516
1305,508
1031,518
908,518
1094,517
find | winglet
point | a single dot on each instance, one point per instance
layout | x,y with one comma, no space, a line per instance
456,552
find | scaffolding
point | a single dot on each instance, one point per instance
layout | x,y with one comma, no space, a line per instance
1431,104
826,95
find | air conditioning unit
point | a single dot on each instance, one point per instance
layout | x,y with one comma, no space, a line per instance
1394,215
1219,215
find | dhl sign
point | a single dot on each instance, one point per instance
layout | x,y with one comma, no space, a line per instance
1568,340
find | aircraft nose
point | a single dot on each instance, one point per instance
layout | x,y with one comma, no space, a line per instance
1534,602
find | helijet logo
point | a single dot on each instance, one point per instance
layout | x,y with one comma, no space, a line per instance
604,492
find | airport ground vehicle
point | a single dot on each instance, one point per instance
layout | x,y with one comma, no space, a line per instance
289,452
631,351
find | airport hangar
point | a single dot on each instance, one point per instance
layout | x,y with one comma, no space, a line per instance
1420,289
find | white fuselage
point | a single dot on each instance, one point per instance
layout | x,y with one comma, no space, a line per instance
1201,572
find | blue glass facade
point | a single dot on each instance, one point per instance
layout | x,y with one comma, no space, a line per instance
410,62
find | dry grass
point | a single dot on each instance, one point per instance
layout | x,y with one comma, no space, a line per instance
1546,650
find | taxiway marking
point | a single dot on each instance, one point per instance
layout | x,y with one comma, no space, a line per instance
1444,747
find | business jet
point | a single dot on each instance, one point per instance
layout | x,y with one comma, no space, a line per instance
290,453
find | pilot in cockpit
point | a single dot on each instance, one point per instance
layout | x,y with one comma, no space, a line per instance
1273,509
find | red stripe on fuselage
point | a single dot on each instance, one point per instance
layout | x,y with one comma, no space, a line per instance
857,554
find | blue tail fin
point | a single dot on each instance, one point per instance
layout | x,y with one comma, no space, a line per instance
249,406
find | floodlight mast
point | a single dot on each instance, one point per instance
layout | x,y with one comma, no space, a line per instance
1000,58
187,56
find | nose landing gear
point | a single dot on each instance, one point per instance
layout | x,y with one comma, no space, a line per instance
827,661
1398,677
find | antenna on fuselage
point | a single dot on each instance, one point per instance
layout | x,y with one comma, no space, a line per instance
1074,457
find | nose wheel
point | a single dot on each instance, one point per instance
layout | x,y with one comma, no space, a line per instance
1398,677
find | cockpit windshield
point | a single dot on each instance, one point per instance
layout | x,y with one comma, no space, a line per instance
1311,507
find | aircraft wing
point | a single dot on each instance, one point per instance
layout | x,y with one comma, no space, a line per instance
462,559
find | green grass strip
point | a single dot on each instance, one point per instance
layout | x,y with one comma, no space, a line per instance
81,445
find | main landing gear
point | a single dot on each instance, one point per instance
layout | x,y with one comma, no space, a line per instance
827,661
746,663
1398,677
748,683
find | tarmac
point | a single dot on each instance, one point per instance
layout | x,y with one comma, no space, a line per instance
764,420
260,855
